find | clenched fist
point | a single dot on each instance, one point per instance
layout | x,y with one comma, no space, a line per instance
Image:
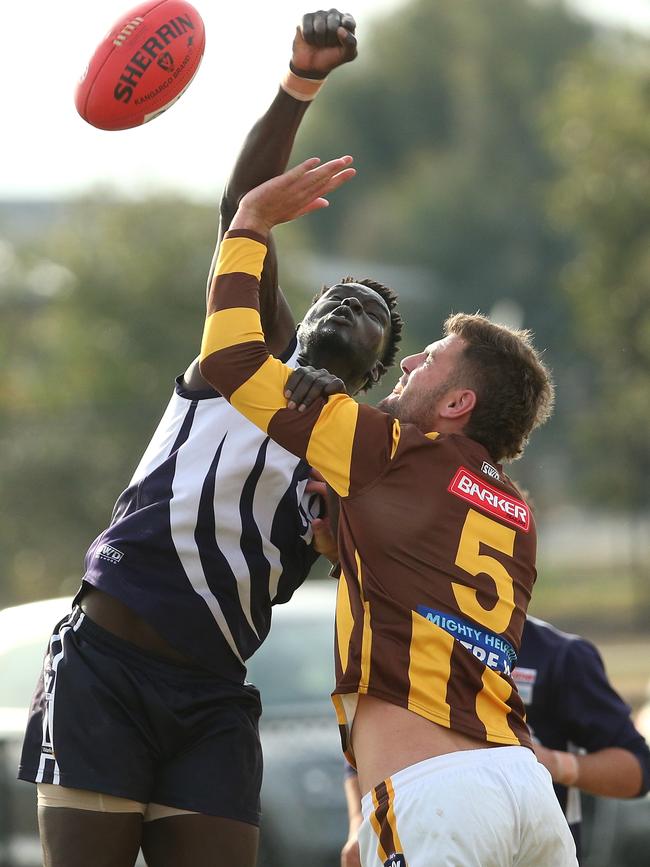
322,42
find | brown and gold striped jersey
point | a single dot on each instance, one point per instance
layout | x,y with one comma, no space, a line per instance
437,546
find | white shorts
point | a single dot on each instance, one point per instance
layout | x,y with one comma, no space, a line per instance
490,807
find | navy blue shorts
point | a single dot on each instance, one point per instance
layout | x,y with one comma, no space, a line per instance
109,717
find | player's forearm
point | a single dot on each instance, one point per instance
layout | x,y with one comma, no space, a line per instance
350,851
353,800
612,772
234,357
266,151
322,42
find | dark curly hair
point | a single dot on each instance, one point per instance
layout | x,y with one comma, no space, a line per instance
396,322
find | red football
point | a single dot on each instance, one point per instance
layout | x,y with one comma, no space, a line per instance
142,66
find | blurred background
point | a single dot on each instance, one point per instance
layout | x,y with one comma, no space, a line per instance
503,152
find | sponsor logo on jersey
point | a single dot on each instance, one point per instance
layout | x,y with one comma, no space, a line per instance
489,470
479,493
108,552
489,648
395,860
524,679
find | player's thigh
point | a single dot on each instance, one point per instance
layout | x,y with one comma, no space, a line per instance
545,835
197,840
449,810
78,838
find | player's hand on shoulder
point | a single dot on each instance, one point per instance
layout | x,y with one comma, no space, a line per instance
307,384
323,41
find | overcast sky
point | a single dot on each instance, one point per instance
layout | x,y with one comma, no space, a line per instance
49,152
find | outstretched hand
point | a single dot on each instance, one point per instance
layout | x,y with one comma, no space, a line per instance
298,191
324,41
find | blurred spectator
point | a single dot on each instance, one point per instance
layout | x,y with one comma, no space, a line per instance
586,736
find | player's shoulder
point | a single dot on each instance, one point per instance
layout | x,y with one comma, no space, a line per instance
459,446
472,461
556,640
547,631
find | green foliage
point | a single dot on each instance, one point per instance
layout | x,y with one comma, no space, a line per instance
441,115
99,315
598,130
90,363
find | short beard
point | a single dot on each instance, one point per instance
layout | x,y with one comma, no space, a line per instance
413,411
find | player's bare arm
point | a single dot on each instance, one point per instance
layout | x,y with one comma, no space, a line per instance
612,772
350,856
322,42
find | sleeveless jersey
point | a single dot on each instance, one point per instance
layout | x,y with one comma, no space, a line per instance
213,529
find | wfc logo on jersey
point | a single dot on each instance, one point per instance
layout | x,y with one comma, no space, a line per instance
484,496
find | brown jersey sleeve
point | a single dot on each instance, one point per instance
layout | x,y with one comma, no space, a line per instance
348,443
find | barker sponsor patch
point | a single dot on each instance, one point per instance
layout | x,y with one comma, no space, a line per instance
479,493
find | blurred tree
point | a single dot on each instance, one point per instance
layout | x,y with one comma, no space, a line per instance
93,343
441,114
97,316
599,133
597,129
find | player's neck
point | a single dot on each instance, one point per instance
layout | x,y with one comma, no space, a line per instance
337,366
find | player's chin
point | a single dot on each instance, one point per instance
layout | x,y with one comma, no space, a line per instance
330,334
389,404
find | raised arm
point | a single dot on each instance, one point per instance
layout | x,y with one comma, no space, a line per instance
333,437
323,41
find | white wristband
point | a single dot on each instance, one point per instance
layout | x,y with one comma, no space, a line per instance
303,89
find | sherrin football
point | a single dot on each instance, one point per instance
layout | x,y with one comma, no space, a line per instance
142,66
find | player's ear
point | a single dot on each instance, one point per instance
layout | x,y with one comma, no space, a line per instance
375,373
458,403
